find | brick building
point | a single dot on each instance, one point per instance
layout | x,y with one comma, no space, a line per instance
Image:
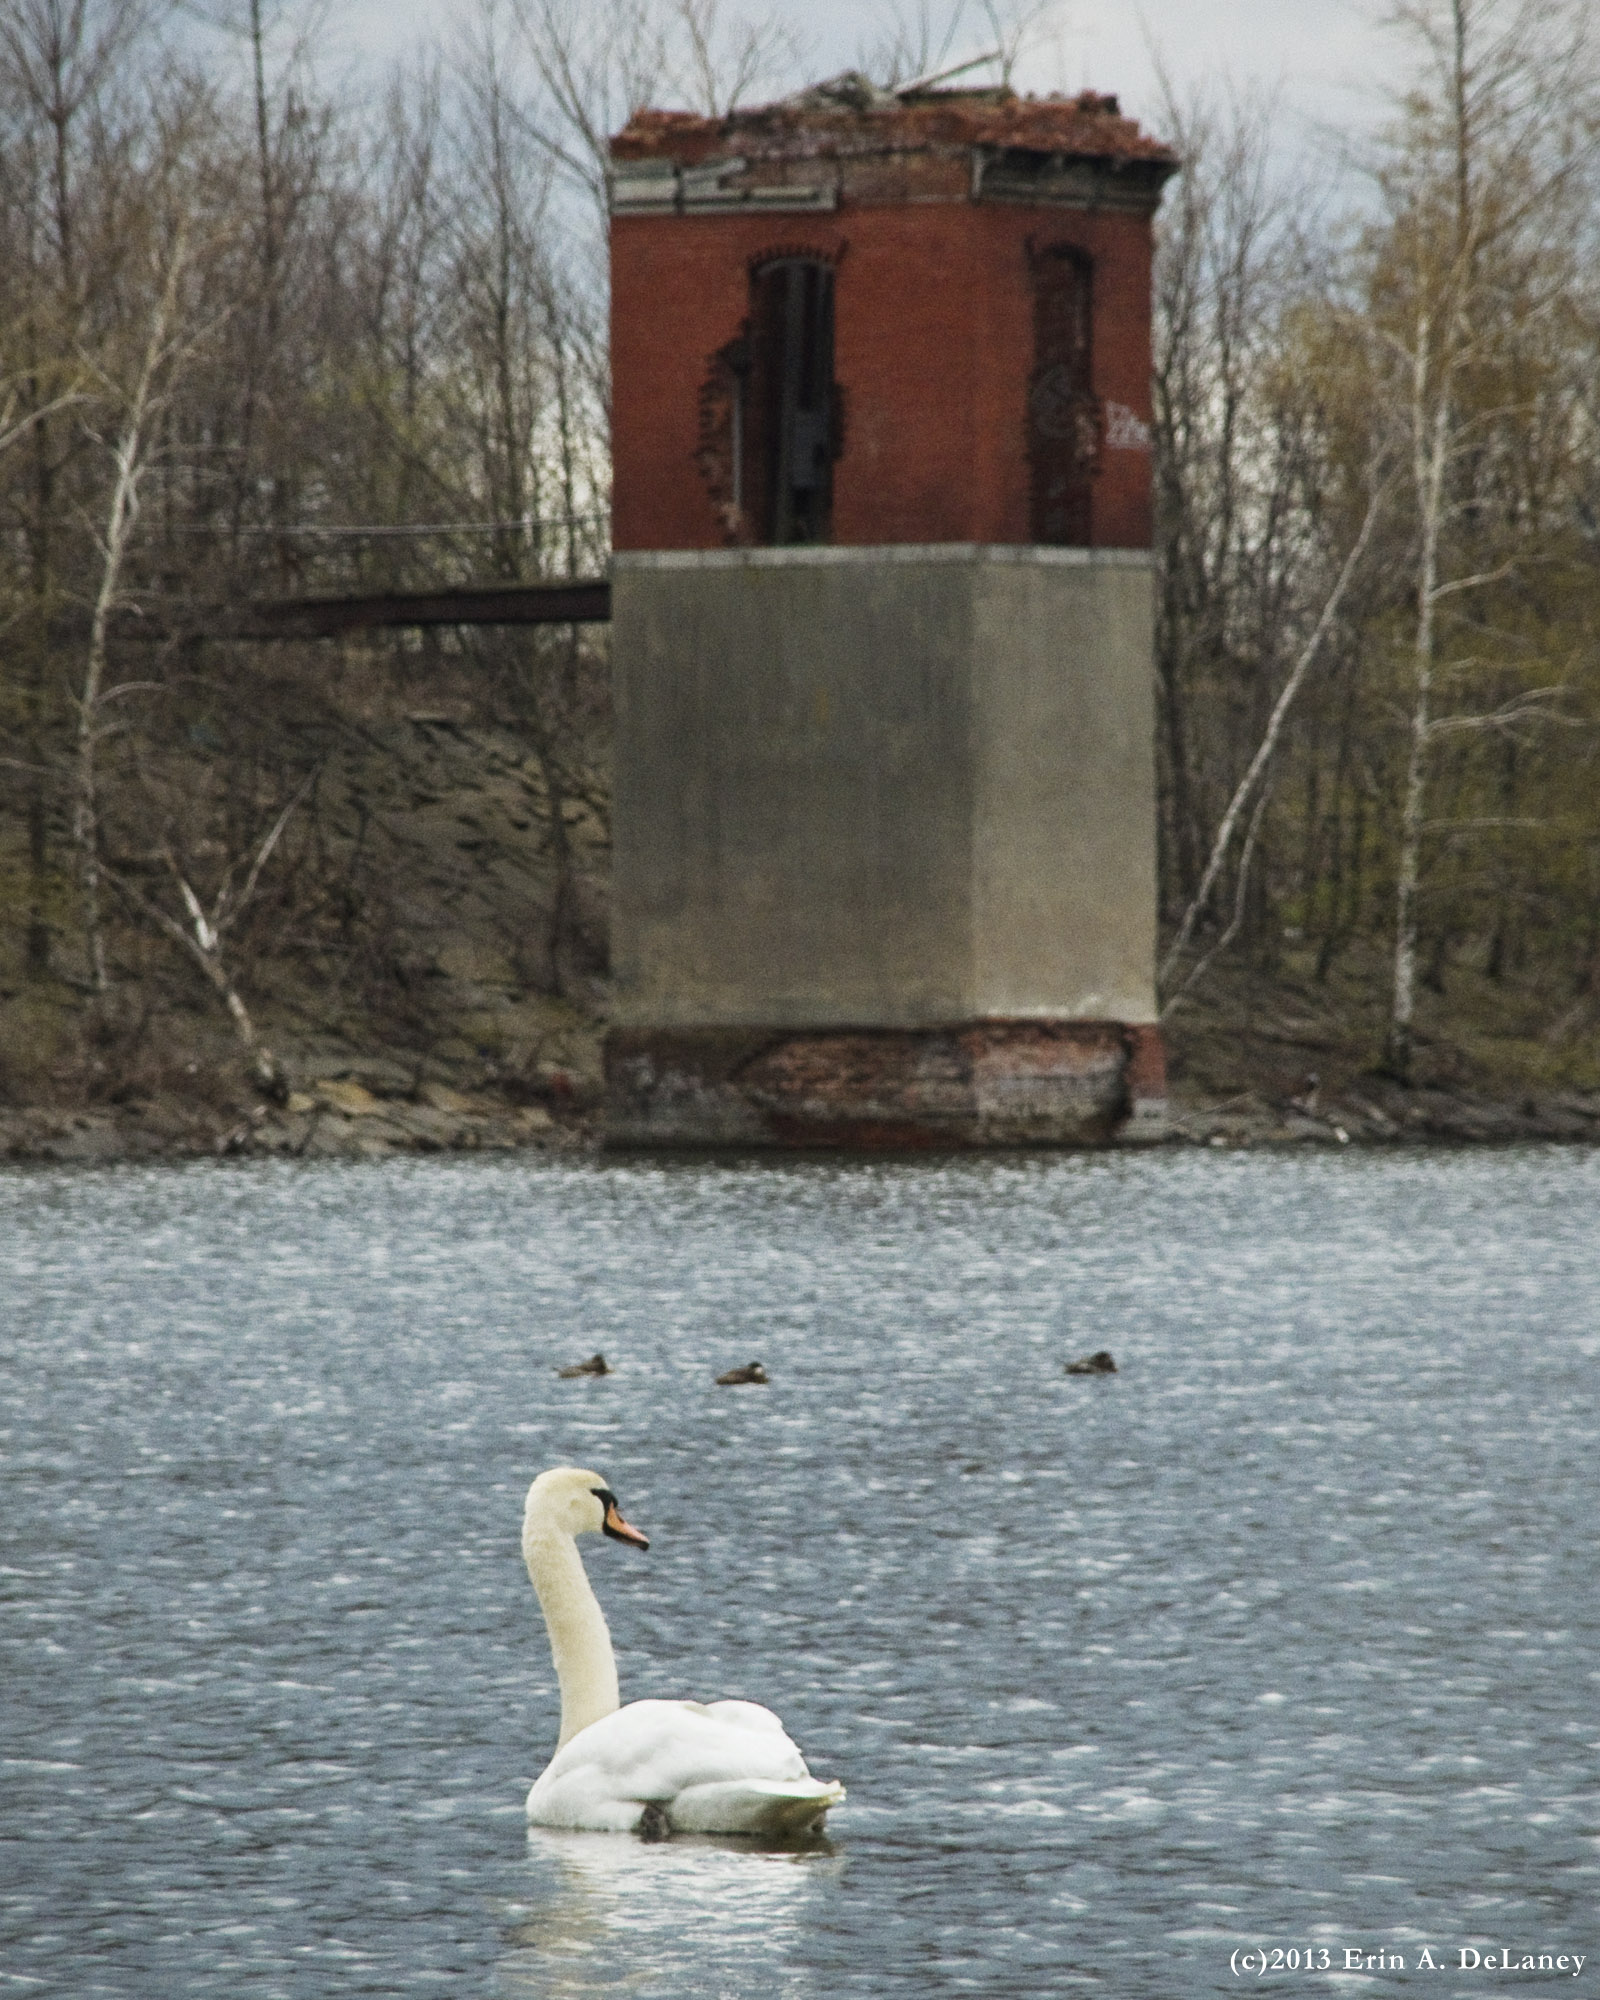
885,829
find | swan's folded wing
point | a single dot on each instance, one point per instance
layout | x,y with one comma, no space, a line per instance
652,1751
747,1715
660,1748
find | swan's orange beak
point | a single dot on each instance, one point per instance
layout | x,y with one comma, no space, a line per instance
619,1530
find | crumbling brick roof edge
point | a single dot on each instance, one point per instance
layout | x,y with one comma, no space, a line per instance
1088,126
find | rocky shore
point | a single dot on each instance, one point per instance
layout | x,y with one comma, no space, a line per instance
356,1118
335,1119
1385,1115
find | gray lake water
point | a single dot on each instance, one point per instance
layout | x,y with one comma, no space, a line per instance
1284,1638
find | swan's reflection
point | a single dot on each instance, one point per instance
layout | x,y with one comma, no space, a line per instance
609,1914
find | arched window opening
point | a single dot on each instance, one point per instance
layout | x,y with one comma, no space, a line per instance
1063,416
784,418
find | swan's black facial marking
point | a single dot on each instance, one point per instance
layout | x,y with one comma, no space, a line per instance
612,1522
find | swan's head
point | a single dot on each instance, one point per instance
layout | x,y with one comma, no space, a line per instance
571,1501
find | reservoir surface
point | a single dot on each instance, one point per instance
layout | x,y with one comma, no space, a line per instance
1283,1639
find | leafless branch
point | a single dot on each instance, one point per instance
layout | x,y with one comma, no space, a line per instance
1269,741
1247,853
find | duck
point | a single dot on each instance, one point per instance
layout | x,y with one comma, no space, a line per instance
596,1364
752,1371
1098,1363
652,1768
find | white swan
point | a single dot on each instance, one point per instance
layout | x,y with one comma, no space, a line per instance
654,1766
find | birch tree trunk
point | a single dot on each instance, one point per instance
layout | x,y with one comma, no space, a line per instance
1432,437
1268,745
128,457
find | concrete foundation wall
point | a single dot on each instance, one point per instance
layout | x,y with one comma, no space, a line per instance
1063,809
883,788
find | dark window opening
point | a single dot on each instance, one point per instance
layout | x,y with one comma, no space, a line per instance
784,418
1063,415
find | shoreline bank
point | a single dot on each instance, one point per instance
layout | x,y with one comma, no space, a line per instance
345,1120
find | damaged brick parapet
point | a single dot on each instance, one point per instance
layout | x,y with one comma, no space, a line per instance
966,1085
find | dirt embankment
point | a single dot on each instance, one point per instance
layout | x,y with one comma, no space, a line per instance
1274,1055
423,954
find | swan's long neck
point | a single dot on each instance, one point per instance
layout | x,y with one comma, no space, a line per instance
579,1642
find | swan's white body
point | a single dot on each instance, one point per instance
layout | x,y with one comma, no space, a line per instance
684,1766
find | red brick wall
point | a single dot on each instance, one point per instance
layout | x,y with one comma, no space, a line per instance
934,346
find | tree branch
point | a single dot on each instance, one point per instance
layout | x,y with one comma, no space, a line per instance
1269,742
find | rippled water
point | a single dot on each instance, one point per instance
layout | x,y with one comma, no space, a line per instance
1284,1636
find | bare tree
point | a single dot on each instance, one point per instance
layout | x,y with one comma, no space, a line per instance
136,411
718,60
1254,781
1248,550
65,68
597,64
910,39
57,57
204,935
1013,26
1482,183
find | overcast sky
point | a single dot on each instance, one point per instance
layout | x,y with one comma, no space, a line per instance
1323,57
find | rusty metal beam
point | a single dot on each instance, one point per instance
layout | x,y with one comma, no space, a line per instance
586,601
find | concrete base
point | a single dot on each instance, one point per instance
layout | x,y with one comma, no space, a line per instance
884,847
883,787
978,1083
